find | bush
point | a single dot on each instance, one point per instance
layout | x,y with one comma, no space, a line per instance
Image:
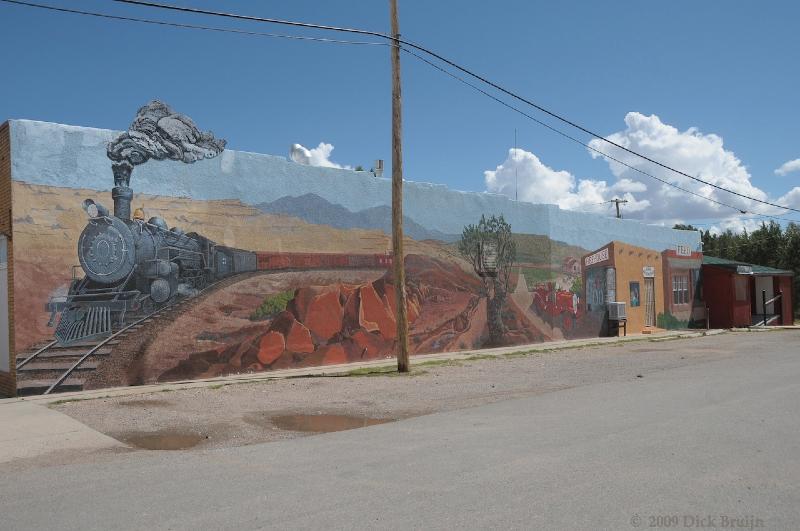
272,306
577,286
670,322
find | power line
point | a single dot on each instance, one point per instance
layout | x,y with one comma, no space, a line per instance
414,54
562,133
761,218
257,19
420,48
190,26
584,144
398,41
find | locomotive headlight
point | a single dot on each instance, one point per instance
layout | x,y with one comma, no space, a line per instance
95,210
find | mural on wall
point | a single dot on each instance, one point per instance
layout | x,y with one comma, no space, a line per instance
179,279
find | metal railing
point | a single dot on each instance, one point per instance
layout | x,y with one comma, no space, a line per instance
766,318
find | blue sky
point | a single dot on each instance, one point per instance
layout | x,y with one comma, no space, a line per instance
726,68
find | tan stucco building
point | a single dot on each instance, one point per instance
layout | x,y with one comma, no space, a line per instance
619,272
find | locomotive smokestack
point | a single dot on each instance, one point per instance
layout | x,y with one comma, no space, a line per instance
122,173
121,193
157,133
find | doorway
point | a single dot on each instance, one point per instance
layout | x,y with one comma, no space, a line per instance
649,302
764,284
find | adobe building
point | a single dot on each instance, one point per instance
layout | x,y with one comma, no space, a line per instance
735,292
620,272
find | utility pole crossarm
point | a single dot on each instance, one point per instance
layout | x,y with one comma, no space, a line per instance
618,201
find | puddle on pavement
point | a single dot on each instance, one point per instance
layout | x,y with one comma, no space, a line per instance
313,423
162,439
145,403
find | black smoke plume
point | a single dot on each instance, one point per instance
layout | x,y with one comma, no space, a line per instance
159,133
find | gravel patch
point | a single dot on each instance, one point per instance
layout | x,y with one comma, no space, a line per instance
222,416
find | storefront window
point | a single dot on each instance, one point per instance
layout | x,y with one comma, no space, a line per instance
635,293
680,289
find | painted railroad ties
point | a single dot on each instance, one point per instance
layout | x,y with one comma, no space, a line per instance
35,377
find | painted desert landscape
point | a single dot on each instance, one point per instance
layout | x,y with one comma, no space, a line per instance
270,320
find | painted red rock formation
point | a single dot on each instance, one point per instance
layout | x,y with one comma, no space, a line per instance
319,309
270,346
342,323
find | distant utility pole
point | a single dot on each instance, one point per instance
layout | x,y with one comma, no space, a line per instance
516,179
397,196
618,201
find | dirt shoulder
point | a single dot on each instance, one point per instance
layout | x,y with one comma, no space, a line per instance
247,413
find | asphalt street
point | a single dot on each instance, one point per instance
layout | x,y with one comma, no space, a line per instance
688,447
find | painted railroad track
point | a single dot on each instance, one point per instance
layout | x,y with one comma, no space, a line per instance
51,368
54,368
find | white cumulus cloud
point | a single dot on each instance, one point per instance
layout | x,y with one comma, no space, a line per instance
702,155
535,182
788,167
791,199
318,156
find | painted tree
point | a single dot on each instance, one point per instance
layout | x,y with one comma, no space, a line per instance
497,232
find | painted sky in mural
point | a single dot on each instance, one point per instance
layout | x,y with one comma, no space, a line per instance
75,157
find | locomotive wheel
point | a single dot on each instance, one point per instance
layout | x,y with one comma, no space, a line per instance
160,290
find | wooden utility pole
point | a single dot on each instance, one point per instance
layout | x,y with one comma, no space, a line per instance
618,201
397,197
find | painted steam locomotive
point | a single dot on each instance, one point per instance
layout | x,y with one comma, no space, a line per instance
133,266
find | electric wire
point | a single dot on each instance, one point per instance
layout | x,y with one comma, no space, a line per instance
563,134
190,26
397,41
438,67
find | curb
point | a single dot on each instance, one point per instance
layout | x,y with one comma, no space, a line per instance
346,368
770,328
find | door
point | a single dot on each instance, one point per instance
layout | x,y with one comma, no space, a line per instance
764,284
649,302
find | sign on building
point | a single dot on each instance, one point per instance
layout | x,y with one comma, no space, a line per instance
649,272
597,257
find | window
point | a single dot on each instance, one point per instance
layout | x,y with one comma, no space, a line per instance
741,288
635,301
680,289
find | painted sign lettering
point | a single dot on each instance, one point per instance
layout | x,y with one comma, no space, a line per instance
599,256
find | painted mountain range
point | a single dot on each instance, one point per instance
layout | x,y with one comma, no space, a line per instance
314,209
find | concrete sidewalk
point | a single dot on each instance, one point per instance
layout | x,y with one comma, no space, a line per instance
344,368
29,428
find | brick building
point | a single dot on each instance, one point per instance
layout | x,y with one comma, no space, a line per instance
683,306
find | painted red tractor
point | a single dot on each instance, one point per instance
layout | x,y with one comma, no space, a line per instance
561,307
